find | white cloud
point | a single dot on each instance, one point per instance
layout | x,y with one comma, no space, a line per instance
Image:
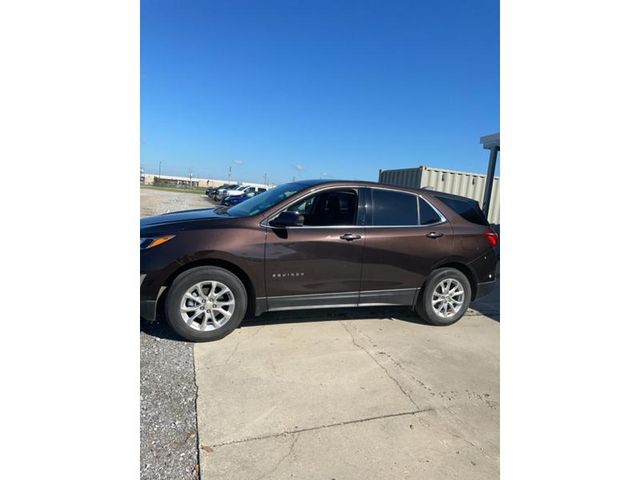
238,162
299,167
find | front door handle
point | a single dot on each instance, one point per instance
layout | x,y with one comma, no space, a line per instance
350,236
434,234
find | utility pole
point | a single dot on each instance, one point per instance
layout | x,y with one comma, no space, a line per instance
190,184
159,169
229,173
265,180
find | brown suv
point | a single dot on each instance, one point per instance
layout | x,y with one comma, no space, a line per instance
316,244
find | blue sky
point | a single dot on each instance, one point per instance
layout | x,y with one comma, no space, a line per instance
317,88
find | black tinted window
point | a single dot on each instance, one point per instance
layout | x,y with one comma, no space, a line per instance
427,214
467,209
394,208
330,208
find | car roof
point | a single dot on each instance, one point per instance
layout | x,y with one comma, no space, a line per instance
365,183
360,183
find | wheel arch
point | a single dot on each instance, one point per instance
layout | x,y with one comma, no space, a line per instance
227,265
458,265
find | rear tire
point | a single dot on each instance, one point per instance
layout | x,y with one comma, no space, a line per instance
205,304
445,297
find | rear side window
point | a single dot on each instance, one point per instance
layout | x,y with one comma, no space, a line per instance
467,209
427,214
394,208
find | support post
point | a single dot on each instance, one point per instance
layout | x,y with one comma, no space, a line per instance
488,187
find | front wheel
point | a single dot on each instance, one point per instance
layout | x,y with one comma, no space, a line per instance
445,297
205,303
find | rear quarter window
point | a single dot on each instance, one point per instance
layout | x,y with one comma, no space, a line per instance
467,209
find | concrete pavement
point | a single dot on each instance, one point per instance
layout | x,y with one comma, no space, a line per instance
350,394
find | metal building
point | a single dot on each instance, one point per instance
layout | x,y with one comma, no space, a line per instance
470,185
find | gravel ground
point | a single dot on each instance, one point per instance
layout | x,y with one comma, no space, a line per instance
168,426
168,422
154,202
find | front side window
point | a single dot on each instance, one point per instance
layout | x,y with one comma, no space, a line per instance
393,208
328,208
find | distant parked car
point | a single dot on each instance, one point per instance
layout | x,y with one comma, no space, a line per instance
230,201
222,191
236,199
211,191
248,189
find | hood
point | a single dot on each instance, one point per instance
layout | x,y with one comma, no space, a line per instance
180,219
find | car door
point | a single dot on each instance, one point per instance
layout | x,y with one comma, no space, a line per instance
317,263
405,237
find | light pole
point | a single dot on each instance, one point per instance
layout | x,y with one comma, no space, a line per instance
229,173
159,169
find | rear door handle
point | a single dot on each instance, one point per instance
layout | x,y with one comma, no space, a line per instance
350,236
434,234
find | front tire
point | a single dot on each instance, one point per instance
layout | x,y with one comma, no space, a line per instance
205,304
445,297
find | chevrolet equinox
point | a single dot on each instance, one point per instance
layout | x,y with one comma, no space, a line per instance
316,244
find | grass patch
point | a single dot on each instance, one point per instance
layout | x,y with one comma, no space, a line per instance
195,190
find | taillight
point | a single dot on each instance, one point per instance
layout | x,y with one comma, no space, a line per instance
492,238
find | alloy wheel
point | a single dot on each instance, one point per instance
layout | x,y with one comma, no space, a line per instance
447,298
207,305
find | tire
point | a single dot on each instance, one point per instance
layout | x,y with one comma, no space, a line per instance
433,288
183,293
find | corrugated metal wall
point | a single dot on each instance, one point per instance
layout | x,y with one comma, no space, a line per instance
470,185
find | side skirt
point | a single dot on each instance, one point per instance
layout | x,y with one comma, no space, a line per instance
402,296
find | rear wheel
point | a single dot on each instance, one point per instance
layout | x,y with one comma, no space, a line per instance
445,297
206,303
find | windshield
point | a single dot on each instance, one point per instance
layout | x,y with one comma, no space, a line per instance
265,200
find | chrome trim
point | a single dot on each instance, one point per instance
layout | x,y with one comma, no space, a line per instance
379,304
443,219
365,295
313,307
314,295
386,290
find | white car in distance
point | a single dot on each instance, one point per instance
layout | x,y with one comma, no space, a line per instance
248,189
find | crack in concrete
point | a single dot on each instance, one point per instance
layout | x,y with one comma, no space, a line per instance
405,393
287,455
418,381
320,427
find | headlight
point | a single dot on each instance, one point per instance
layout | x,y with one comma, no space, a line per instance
150,242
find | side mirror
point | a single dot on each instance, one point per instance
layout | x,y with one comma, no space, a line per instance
288,219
